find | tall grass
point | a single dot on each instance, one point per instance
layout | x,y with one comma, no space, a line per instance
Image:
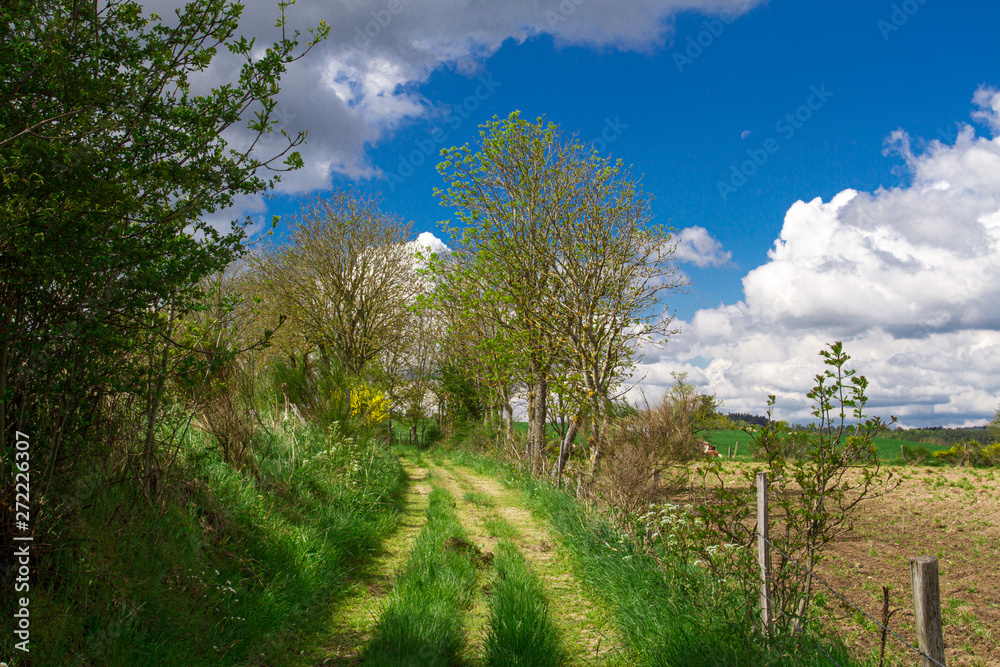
521,632
233,567
669,612
421,622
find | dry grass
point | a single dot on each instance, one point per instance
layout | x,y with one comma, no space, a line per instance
636,467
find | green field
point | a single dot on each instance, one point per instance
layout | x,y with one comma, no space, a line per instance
888,448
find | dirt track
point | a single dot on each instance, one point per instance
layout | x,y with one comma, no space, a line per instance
579,620
582,625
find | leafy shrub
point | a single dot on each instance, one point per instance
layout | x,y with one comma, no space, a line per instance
318,391
666,429
432,433
369,405
813,499
970,453
991,454
788,446
915,454
639,462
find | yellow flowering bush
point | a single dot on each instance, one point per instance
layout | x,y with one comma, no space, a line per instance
971,453
369,405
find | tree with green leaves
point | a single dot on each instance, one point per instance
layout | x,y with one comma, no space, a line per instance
473,346
345,276
611,267
556,248
109,162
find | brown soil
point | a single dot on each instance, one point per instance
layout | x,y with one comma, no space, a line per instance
951,513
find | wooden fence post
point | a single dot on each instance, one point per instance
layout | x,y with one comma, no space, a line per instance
763,553
927,609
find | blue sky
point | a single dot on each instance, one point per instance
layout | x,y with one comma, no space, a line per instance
809,100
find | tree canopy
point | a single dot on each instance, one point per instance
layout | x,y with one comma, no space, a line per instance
557,250
109,164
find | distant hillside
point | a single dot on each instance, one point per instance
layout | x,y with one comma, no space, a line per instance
755,420
939,435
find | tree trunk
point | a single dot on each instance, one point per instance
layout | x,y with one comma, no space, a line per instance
531,424
537,437
564,446
7,325
598,427
153,406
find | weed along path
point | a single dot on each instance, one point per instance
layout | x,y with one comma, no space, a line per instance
490,514
353,619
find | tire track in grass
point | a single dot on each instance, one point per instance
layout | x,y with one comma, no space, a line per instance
423,620
354,619
584,626
521,627
477,618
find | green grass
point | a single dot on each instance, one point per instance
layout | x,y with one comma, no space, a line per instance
422,620
668,612
723,440
478,498
521,632
235,567
888,449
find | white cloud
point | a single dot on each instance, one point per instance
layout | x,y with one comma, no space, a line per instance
987,99
428,242
696,245
362,82
908,278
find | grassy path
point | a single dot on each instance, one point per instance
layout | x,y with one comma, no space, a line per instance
353,620
497,524
522,577
480,500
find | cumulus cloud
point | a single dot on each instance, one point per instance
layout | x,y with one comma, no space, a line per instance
696,245
363,82
908,278
427,242
425,245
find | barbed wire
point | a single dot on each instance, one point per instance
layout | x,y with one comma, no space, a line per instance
835,592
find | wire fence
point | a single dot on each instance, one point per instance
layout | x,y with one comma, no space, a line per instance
816,577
